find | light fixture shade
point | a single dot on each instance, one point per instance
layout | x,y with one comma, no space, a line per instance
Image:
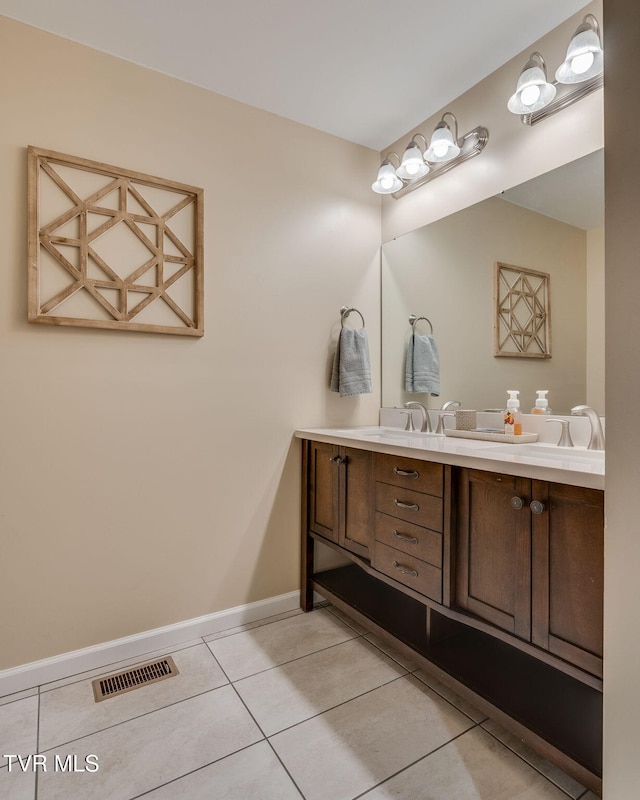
387,181
413,165
584,58
533,91
442,146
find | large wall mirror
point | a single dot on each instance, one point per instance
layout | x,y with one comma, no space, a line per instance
445,271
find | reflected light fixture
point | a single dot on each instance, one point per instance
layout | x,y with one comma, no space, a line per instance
421,162
580,74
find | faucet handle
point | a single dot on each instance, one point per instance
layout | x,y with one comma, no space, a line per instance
565,437
440,428
409,424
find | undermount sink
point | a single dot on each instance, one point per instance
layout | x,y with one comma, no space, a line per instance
549,451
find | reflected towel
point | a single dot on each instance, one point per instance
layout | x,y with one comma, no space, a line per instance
422,372
351,372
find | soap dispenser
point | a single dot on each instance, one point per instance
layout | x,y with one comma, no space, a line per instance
542,404
512,416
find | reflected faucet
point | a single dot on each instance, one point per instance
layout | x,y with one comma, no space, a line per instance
450,404
596,442
426,422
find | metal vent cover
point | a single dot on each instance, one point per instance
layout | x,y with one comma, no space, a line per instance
121,682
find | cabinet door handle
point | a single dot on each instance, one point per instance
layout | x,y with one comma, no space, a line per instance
517,503
404,538
536,507
408,506
405,473
405,570
338,460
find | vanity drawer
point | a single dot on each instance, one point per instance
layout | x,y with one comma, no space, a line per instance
410,539
416,507
408,570
421,476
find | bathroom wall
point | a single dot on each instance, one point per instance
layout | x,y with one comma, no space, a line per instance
149,479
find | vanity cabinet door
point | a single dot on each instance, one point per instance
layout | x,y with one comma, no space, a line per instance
568,573
323,489
493,569
340,497
355,518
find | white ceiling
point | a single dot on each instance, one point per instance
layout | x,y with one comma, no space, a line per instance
365,70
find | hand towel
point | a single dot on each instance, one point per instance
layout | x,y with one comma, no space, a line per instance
422,372
351,372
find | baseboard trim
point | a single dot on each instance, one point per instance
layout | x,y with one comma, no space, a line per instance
27,676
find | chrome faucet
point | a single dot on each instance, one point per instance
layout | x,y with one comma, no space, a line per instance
426,422
565,436
450,404
596,442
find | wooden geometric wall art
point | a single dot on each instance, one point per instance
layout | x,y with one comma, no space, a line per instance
522,326
111,248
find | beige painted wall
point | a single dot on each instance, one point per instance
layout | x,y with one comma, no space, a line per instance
595,319
514,153
445,272
149,479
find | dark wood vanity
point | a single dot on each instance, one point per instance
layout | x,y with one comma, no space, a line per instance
492,582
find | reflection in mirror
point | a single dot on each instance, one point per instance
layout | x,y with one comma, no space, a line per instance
444,271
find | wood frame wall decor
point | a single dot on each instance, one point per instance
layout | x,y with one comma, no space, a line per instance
522,327
112,248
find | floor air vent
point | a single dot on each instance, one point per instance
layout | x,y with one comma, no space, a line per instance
122,682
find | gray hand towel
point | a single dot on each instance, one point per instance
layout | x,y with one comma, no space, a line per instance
351,372
422,371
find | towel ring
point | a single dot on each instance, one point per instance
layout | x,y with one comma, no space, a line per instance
344,313
413,319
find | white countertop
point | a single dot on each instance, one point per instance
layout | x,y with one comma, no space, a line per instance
574,466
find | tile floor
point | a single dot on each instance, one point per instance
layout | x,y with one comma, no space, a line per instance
298,705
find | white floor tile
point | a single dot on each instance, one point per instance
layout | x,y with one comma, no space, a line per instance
70,712
11,698
357,627
270,645
117,666
152,750
393,652
249,626
253,773
550,771
286,695
17,785
18,728
451,696
351,748
473,767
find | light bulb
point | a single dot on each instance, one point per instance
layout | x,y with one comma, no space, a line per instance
440,149
387,182
580,64
530,94
412,169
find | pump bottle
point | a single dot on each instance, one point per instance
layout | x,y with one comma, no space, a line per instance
542,404
512,416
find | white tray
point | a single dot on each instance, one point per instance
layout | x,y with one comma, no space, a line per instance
507,438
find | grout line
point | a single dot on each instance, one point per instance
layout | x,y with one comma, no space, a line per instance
35,783
451,703
249,626
413,763
193,771
285,768
34,692
108,667
533,766
136,716
297,658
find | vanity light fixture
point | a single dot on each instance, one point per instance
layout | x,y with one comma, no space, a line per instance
422,163
580,74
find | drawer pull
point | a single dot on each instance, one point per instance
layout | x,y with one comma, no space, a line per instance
404,538
405,473
408,506
405,570
338,460
536,507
